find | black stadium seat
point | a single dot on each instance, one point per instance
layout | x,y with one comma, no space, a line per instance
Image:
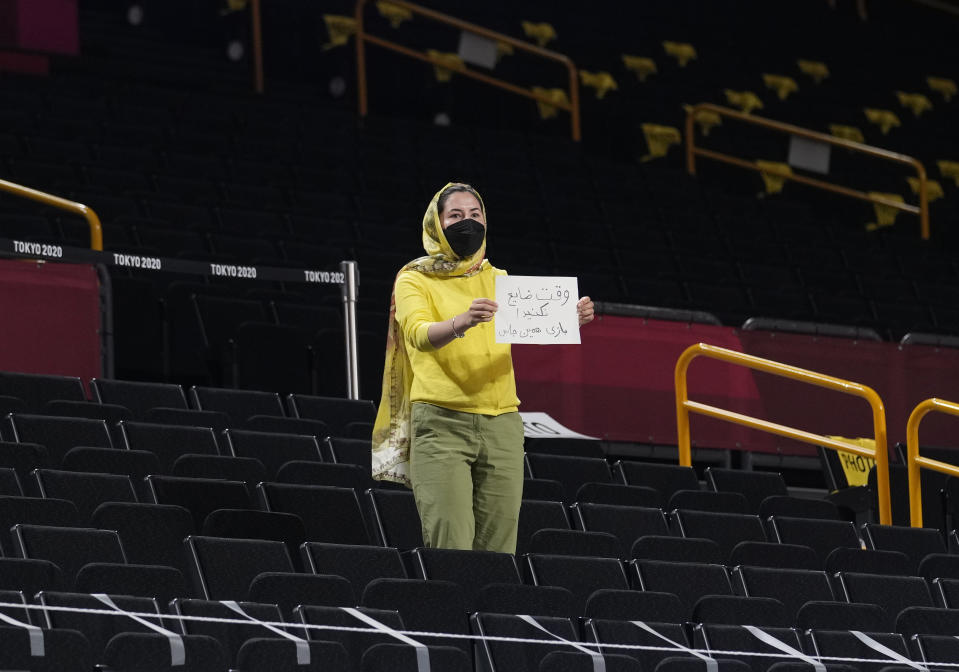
396,518
336,413
289,591
793,587
223,569
139,397
427,606
168,442
356,642
143,651
154,581
404,658
282,655
726,529
358,564
823,536
200,496
573,472
688,581
499,656
582,576
10,483
86,490
33,511
471,570
36,390
273,450
59,434
231,635
240,405
246,469
329,514
150,533
69,548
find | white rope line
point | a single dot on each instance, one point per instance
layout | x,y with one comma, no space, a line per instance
437,635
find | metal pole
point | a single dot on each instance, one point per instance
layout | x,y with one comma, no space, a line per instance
257,28
106,322
350,283
360,59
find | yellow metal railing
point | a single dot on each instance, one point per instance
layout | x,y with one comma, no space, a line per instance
362,37
684,407
915,461
96,230
692,151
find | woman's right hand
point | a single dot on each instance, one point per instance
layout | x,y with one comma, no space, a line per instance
481,310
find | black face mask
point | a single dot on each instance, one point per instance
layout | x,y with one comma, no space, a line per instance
465,237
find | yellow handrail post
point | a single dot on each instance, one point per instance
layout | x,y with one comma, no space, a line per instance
922,210
683,440
923,201
683,406
691,144
915,461
360,58
96,229
362,37
574,121
257,30
882,460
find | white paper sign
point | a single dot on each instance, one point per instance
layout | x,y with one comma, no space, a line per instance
543,426
809,154
535,309
477,50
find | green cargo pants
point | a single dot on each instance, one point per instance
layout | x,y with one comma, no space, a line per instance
467,474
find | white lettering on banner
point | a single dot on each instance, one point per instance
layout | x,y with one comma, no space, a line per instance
231,271
38,249
324,277
539,310
542,426
136,261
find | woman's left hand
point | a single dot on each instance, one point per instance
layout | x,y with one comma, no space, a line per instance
584,310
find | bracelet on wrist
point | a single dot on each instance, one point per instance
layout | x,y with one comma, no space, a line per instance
453,327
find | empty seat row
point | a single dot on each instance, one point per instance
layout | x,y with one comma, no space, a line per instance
441,606
138,398
330,500
253,544
46,441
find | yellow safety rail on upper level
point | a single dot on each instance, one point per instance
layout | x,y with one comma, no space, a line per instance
96,230
684,407
692,151
362,37
915,461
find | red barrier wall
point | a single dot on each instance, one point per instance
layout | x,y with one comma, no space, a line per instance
619,384
49,319
40,25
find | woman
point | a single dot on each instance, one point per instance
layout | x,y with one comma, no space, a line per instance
447,424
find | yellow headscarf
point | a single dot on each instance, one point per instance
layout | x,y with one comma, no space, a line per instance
391,431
